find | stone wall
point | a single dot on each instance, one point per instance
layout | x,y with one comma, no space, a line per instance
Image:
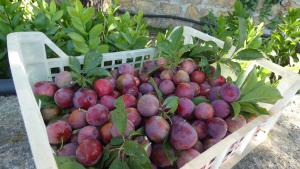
192,9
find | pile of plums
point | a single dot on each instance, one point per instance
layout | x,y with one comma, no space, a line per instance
87,128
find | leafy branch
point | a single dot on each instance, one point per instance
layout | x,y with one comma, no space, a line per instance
85,77
254,91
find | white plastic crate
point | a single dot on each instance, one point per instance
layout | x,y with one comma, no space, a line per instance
29,64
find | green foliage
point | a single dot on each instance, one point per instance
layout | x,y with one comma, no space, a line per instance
172,48
127,32
67,163
168,150
76,29
84,30
137,157
119,116
199,99
85,77
127,154
283,46
46,101
236,29
170,104
12,19
238,25
254,91
158,92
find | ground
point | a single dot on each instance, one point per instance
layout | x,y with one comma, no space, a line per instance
280,151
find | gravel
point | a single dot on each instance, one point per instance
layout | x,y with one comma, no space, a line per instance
280,151
15,151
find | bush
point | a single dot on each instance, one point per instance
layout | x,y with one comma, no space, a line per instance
76,29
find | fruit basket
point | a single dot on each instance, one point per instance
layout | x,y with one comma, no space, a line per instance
29,64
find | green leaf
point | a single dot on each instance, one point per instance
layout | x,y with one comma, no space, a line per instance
227,44
199,99
118,164
77,24
78,6
74,64
52,7
158,92
105,156
201,50
94,43
140,43
103,48
127,37
76,37
169,152
112,156
234,66
81,47
236,108
5,28
116,141
99,73
262,93
249,54
3,54
91,61
119,116
218,71
87,15
249,108
58,15
96,30
242,31
111,27
262,110
177,35
67,163
137,155
239,10
171,103
242,78
71,11
46,101
165,47
250,83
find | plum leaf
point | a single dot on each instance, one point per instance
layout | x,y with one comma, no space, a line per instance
250,108
167,148
74,64
227,45
236,108
242,31
249,54
46,101
158,92
176,37
199,99
217,72
67,163
247,81
137,155
91,61
118,164
262,93
116,141
171,103
98,72
119,116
